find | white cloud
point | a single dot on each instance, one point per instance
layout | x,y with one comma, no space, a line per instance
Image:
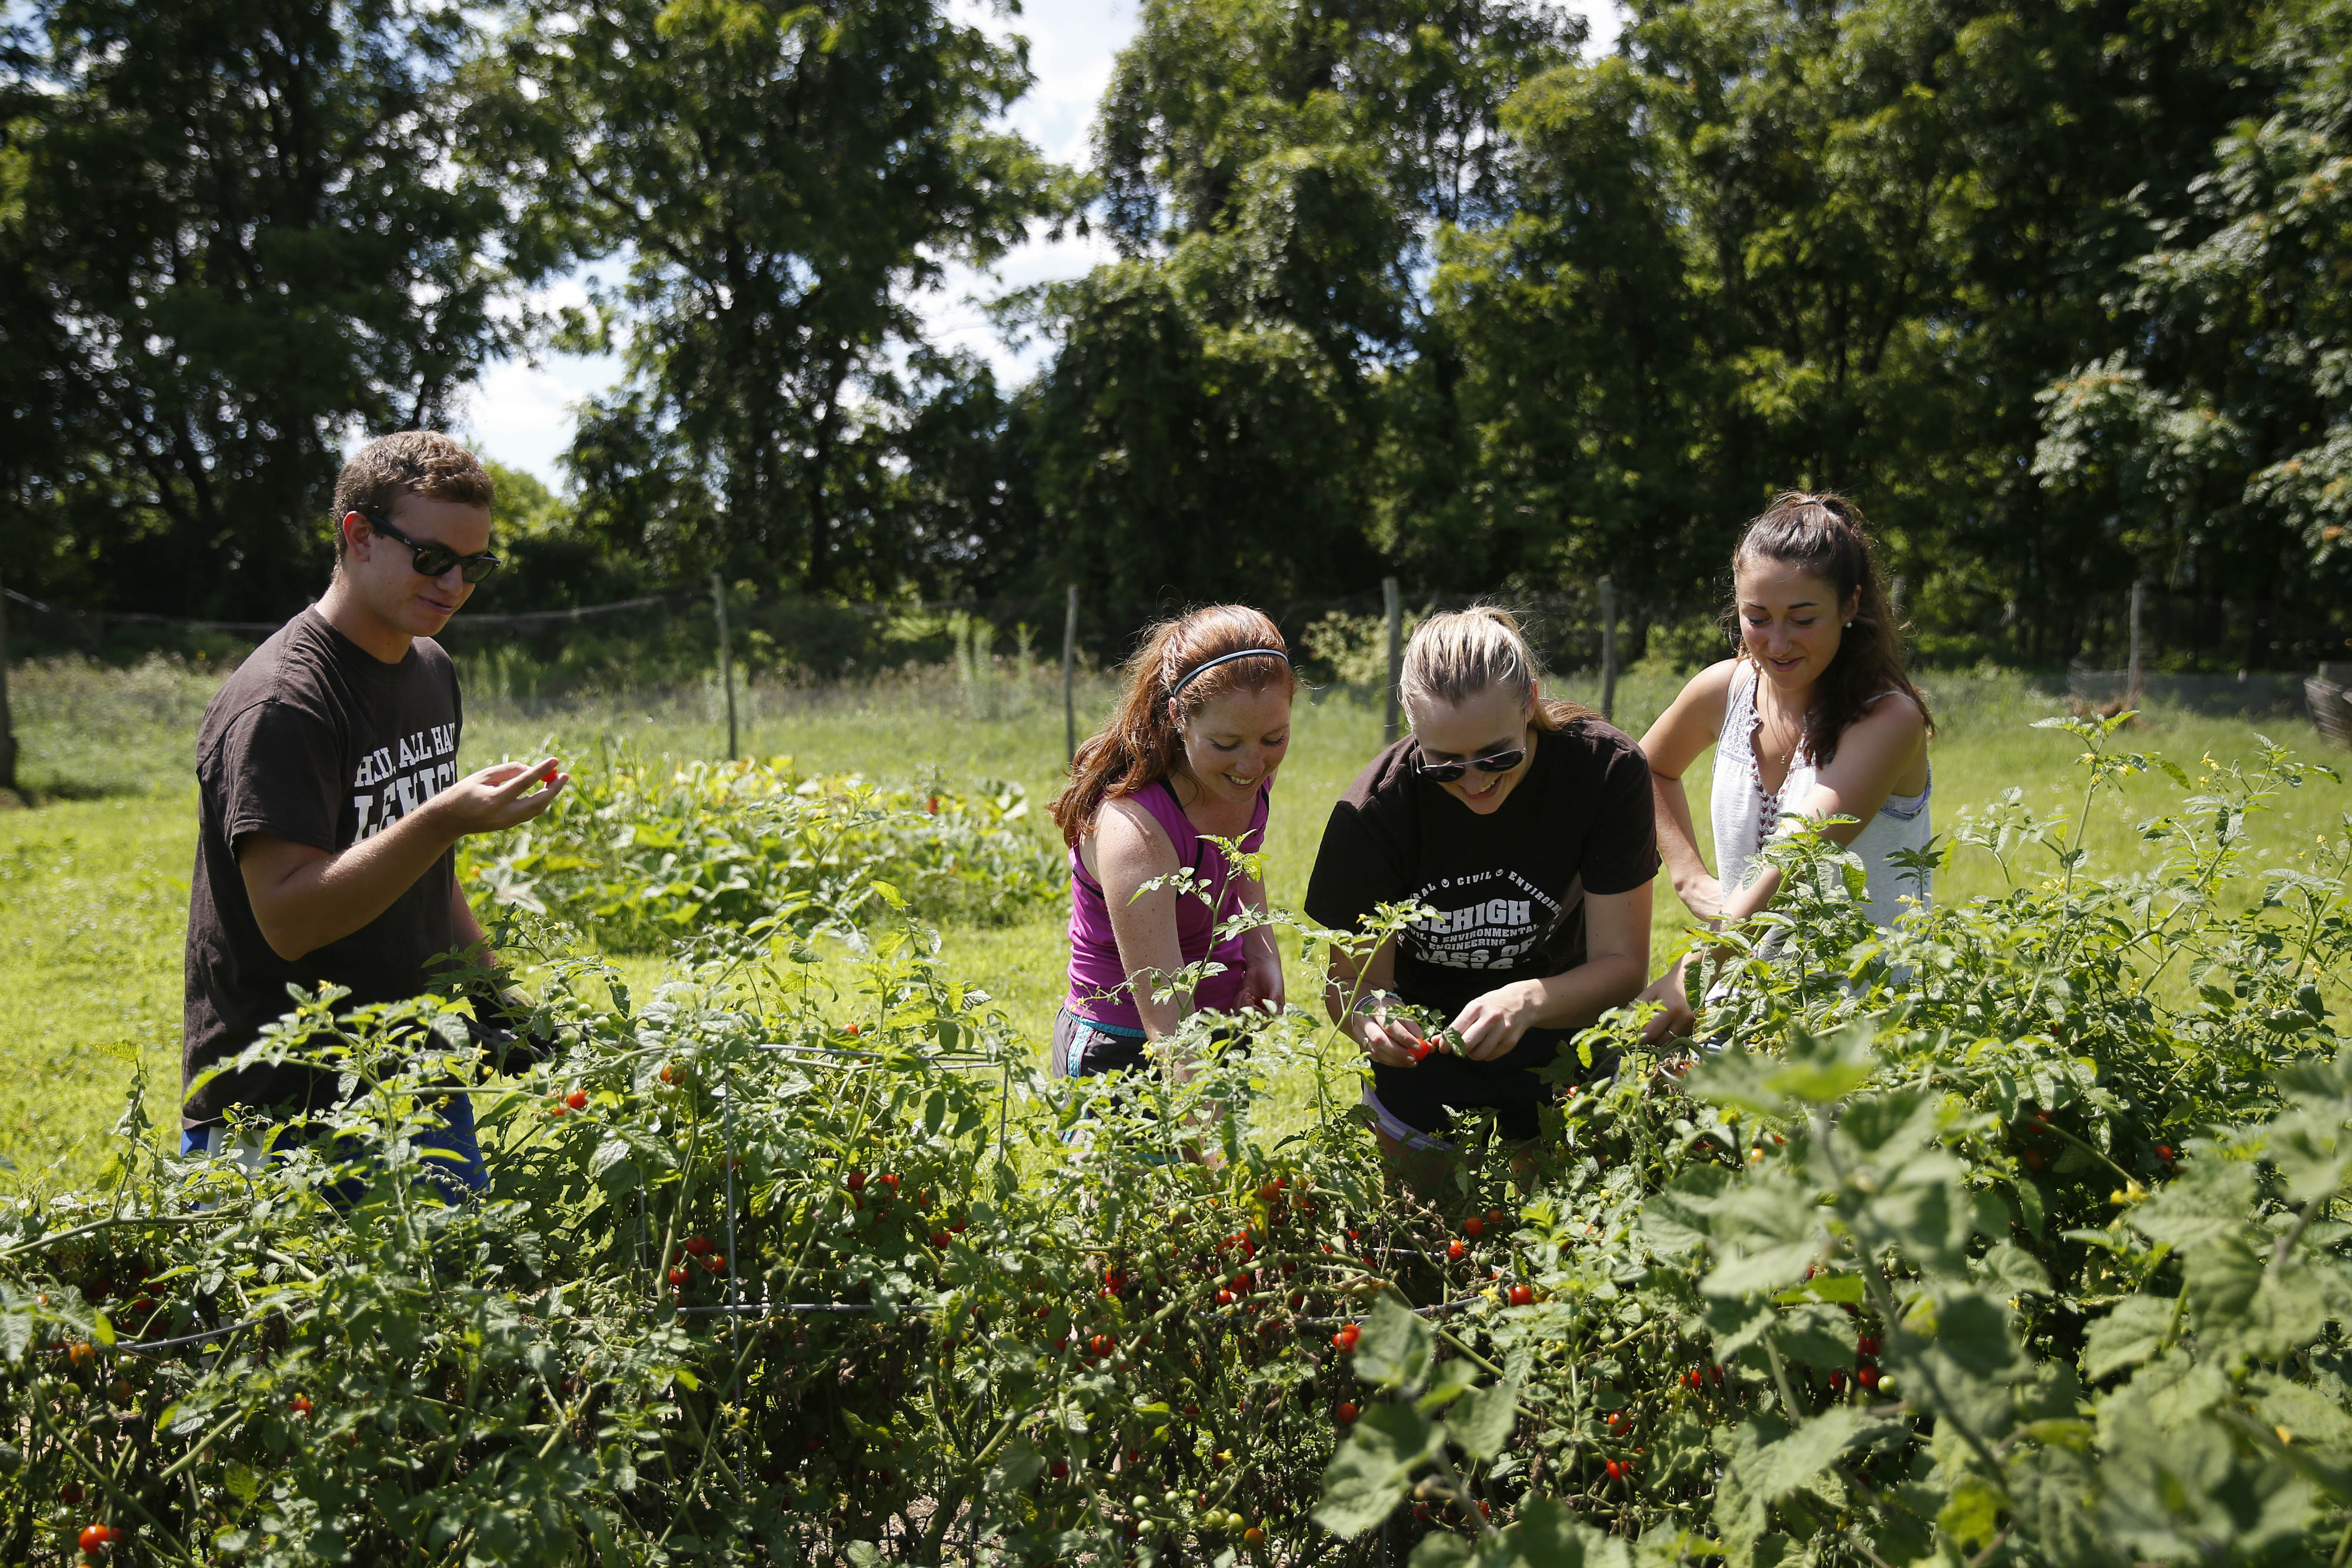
522,414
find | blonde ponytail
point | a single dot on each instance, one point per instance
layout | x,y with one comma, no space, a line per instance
1455,656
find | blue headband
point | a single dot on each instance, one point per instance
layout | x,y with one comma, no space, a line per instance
1206,666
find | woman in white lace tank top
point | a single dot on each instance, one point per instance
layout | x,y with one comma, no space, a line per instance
1815,717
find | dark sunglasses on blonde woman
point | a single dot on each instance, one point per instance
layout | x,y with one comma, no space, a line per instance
1493,762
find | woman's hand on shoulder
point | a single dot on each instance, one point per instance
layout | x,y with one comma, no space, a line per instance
1691,721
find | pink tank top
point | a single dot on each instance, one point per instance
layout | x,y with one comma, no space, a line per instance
1098,990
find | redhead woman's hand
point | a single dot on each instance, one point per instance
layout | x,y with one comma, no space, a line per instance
1677,1021
1491,1025
1262,982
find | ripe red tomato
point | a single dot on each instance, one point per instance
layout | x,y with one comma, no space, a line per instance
1345,1340
1102,1345
1521,1296
1474,1226
939,1238
1867,1377
856,1181
851,1030
1837,1381
577,1100
955,1225
299,1405
80,1352
2030,1159
1496,1217
698,1245
2164,1152
1061,1469
97,1538
1616,1470
716,1261
890,1180
1456,1252
69,1494
1347,1411
1866,1345
556,1108
671,1074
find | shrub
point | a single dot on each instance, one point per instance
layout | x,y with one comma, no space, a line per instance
642,852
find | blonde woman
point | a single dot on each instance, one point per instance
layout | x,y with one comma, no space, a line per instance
1526,824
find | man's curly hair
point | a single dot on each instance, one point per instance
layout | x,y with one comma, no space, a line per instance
412,462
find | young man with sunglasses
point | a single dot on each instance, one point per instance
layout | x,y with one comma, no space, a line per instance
1526,825
330,802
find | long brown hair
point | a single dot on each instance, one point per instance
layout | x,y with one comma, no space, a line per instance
1455,656
1141,745
1824,535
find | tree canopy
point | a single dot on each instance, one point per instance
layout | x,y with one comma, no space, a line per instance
1432,289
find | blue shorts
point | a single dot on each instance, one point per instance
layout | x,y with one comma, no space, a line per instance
1083,1047
453,1161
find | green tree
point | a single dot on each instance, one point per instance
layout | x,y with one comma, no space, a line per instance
781,184
1789,245
1272,170
233,235
2218,445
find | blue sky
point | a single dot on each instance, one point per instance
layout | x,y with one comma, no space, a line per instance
521,414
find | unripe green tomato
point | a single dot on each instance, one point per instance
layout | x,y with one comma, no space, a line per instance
1142,1502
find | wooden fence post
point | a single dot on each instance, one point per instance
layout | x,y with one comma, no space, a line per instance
726,658
1070,676
1608,649
1394,607
7,729
2139,592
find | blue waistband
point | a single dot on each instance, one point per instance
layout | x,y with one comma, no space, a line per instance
1120,1030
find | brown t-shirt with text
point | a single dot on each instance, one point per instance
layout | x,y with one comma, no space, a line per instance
1508,887
316,740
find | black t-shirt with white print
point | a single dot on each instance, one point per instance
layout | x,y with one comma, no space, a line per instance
316,740
1508,887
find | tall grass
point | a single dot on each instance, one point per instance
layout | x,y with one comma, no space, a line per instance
93,889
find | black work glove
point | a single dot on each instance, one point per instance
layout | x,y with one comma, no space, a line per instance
503,1029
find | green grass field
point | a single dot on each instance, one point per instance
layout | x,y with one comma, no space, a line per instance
93,887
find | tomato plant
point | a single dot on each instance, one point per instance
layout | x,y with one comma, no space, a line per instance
793,1295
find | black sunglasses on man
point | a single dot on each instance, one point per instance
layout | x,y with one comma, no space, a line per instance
432,561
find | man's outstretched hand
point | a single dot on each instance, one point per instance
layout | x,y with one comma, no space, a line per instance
500,796
304,897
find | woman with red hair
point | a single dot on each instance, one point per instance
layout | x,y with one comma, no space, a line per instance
1189,755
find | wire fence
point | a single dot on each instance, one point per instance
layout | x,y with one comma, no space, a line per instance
784,650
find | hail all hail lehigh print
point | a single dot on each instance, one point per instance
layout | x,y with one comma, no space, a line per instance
1489,920
394,780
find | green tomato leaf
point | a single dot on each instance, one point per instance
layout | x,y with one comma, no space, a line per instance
2126,1337
1481,1421
1367,1478
1395,1346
